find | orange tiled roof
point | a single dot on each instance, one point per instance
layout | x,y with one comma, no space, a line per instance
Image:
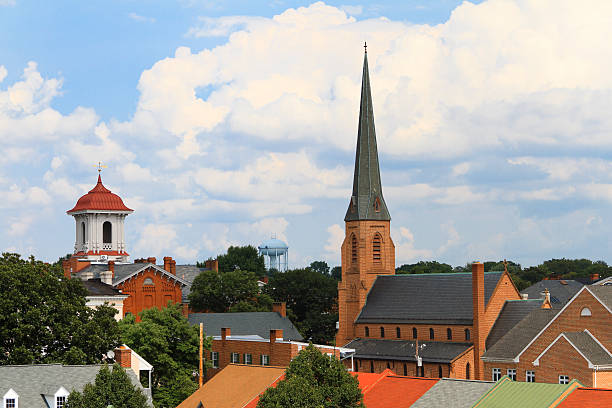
99,198
397,391
234,386
583,397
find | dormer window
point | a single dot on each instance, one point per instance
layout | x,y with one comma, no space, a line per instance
585,312
60,398
11,399
377,205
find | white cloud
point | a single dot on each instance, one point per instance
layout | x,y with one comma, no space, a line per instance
334,243
7,3
405,251
141,19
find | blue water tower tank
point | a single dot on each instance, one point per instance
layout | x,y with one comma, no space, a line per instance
275,253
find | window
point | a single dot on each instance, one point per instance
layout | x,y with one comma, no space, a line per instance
265,360
564,379
439,371
248,358
367,331
377,205
431,334
530,376
467,371
585,312
376,245
371,366
235,358
148,282
11,399
388,365
82,232
414,332
449,334
10,403
398,332
405,369
511,373
60,402
107,232
467,334
382,332
496,374
214,356
354,252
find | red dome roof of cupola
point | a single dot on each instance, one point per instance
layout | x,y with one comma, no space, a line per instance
100,198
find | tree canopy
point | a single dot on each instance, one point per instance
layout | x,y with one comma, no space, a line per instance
166,340
111,387
320,266
424,267
314,380
245,258
43,317
312,300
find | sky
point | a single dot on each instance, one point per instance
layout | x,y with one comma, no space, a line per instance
226,122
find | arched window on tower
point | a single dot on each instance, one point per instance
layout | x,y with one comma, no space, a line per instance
107,232
354,253
82,232
376,249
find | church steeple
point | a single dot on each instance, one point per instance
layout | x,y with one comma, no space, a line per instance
367,202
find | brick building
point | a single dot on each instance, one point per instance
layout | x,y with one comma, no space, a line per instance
556,345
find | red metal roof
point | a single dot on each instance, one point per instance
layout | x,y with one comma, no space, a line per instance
397,391
588,397
99,198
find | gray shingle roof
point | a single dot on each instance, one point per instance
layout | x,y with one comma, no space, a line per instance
188,273
561,291
95,287
30,382
515,340
244,324
444,298
604,293
453,393
511,314
404,350
587,345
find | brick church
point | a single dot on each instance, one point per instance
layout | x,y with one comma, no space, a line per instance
440,325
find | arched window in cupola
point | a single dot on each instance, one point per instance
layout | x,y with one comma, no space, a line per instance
82,232
376,249
107,232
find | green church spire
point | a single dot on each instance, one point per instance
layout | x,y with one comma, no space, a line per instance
367,202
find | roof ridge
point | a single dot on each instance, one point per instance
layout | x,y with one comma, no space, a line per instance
436,274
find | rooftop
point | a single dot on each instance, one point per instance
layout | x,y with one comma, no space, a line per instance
100,198
246,323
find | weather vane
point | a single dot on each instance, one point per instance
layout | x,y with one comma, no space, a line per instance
99,166
365,46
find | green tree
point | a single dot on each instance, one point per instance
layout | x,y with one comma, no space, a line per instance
424,267
320,266
336,273
227,291
314,380
245,258
312,301
165,339
111,387
43,317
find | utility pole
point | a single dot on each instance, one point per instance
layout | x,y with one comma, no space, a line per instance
201,352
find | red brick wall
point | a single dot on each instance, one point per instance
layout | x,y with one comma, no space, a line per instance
460,365
563,359
148,296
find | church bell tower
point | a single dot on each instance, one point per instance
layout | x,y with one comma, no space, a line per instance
367,250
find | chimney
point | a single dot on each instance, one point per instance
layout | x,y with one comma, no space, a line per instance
151,259
123,356
478,307
111,267
225,333
280,308
67,268
546,303
524,296
106,277
167,260
139,260
275,334
86,275
594,277
173,267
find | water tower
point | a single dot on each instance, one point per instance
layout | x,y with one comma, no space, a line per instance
275,254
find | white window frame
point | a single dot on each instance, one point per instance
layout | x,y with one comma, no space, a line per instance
214,359
248,358
10,395
585,312
511,372
564,379
530,376
235,358
496,374
265,360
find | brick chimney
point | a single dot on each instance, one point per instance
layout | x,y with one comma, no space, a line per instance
212,264
167,262
478,307
546,303
173,267
111,267
275,334
225,332
123,356
151,259
594,277
280,308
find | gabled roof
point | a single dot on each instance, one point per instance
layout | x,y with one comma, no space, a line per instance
124,272
404,350
31,381
444,298
583,397
603,294
586,345
100,198
234,386
508,393
367,202
453,393
511,314
247,323
95,287
397,391
561,291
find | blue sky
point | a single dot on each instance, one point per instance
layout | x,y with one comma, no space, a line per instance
225,122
